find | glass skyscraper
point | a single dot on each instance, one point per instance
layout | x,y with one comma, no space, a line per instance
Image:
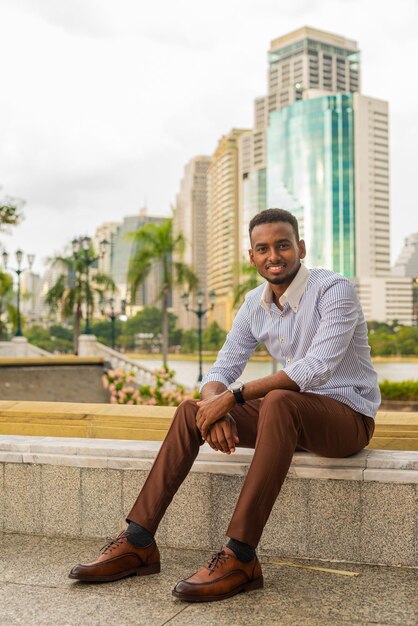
310,171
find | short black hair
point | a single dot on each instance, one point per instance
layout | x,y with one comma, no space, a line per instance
270,216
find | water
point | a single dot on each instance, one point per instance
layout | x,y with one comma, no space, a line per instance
187,371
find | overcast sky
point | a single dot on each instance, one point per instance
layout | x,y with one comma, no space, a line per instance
102,103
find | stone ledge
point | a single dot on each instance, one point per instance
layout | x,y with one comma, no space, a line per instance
359,509
367,465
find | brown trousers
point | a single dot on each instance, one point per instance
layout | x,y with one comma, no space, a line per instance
284,421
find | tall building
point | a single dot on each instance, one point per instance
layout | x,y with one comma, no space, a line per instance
407,266
303,64
252,176
407,261
308,58
190,219
122,249
223,225
327,161
311,173
105,232
386,299
372,200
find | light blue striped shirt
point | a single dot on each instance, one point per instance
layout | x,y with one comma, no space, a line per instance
320,339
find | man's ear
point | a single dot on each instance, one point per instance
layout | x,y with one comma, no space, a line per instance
302,249
251,257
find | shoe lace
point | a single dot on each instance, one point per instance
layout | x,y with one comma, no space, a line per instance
217,559
112,543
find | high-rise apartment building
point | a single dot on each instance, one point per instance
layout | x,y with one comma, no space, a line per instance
407,261
223,225
372,201
190,220
386,299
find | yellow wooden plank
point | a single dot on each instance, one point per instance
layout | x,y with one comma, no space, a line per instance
394,431
51,360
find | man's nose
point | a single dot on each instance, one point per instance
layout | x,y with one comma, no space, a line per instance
274,255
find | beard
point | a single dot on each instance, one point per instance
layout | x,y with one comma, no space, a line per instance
279,280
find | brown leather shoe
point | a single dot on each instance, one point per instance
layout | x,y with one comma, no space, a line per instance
223,577
118,559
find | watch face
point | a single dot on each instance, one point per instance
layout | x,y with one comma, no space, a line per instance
236,386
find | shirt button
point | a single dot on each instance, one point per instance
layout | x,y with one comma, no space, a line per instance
287,361
281,339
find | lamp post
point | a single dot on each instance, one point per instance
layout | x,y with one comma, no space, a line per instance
200,312
83,244
113,316
18,271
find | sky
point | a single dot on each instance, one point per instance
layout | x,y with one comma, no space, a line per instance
102,103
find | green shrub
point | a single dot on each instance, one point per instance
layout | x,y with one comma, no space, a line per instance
404,390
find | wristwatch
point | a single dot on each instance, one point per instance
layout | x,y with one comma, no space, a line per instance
236,388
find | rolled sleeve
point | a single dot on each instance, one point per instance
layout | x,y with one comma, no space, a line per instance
339,311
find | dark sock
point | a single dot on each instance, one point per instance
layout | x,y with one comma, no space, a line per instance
243,551
138,536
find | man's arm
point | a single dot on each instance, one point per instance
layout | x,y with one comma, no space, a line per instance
211,389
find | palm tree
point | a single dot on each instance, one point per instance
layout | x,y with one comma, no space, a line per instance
251,280
156,243
69,292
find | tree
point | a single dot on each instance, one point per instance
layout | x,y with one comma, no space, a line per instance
69,293
213,337
156,243
250,280
53,339
6,296
10,212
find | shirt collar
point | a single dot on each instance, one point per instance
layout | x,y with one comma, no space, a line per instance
293,293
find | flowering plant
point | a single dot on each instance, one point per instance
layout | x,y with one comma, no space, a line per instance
162,391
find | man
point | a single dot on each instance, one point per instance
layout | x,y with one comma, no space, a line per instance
323,400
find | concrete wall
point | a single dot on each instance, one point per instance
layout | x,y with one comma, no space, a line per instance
52,381
360,509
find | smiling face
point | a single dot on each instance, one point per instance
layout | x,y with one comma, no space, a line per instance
276,253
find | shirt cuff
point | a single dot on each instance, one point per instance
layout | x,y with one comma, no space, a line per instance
215,377
299,374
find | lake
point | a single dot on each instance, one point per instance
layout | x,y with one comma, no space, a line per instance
187,371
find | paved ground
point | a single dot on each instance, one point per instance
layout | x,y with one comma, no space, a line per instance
35,591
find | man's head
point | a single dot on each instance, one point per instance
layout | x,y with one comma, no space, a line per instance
276,249
270,216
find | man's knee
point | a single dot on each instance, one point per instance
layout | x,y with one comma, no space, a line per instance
279,407
187,410
186,414
279,397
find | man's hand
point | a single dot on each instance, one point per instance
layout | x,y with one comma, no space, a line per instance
212,410
223,435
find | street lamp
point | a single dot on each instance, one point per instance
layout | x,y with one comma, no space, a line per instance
19,271
81,250
113,316
200,312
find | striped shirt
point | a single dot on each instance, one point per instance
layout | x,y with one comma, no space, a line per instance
320,339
